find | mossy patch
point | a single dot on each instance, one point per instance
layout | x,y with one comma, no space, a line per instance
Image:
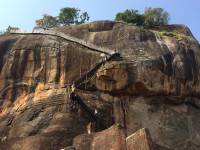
170,34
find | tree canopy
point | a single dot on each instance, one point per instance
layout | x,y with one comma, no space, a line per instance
70,16
67,16
47,22
84,17
9,29
152,17
156,17
130,16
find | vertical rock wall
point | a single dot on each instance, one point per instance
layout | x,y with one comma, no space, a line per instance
46,63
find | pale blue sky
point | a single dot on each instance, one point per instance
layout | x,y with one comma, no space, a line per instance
23,13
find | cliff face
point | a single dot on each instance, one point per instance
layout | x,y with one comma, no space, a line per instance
156,85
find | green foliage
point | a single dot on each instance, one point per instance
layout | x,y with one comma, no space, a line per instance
170,34
152,17
130,16
156,17
47,22
84,17
9,29
68,16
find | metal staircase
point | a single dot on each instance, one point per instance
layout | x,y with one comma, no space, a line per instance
90,72
77,99
94,117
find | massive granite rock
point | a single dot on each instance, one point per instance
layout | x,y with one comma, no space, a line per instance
155,86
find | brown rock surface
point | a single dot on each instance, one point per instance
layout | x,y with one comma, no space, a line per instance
140,140
156,86
112,138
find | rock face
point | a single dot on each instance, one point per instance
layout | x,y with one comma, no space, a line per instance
155,86
134,141
112,138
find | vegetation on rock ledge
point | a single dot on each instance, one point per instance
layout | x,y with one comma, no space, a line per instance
170,34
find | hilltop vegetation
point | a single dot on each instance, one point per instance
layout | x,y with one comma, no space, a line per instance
71,16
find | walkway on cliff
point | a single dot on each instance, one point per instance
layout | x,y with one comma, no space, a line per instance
75,40
66,37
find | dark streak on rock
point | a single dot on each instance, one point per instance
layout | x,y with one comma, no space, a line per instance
58,68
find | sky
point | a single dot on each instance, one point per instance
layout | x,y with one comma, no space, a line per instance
23,13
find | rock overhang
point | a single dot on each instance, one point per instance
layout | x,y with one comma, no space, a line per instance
167,75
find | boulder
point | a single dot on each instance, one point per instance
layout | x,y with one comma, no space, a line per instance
140,140
111,138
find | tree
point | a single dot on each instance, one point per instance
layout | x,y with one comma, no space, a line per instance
2,32
130,16
47,22
9,29
68,16
84,17
156,17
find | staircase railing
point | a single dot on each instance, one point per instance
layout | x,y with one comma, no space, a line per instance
91,71
94,117
66,37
